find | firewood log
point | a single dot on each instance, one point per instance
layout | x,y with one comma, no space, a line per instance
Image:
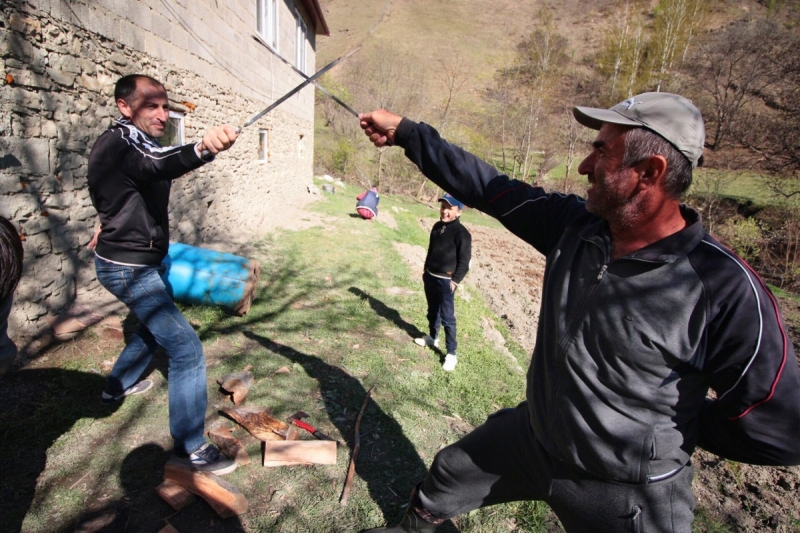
229,445
237,384
258,422
176,496
223,497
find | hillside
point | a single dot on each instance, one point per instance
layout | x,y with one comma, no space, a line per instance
484,34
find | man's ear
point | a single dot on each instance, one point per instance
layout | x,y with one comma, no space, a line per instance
653,169
124,108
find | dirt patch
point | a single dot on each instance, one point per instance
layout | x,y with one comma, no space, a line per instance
386,218
491,333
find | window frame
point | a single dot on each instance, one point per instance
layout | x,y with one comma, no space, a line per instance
267,25
301,44
180,127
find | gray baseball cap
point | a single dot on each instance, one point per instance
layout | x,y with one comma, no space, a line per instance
671,116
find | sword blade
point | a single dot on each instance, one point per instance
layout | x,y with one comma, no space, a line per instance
316,84
300,87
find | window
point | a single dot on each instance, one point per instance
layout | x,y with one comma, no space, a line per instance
267,21
173,131
263,145
300,44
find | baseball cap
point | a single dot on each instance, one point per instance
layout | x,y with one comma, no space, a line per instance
452,201
671,116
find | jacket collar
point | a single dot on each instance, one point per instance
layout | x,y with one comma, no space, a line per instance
122,122
666,250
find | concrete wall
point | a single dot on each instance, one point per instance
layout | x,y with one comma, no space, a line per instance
60,60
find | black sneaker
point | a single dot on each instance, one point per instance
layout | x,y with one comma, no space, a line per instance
143,386
209,459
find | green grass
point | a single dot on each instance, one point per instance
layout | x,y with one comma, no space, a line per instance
324,311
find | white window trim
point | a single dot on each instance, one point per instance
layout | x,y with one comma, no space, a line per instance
181,140
301,44
267,24
263,146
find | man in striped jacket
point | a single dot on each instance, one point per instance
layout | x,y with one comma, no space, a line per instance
642,313
130,176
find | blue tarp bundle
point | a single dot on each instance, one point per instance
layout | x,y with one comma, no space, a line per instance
200,276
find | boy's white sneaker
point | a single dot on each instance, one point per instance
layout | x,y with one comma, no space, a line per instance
427,340
450,362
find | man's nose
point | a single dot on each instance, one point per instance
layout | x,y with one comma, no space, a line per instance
163,116
586,165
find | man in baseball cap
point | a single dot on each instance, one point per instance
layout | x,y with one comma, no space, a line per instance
642,312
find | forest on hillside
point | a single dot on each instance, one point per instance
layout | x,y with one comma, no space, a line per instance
740,64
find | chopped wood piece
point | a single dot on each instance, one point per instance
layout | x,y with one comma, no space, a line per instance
321,452
237,384
258,422
229,445
352,469
176,496
168,529
224,497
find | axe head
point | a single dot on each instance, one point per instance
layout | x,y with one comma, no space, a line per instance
299,415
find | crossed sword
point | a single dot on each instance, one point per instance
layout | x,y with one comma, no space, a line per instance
308,80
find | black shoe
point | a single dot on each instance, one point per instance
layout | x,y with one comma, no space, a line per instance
143,386
208,458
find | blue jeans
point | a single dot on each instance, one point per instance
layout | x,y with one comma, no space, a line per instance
441,309
162,324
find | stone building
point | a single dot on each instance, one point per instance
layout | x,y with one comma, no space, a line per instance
219,62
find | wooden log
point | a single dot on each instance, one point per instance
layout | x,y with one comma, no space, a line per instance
352,469
223,497
229,445
299,452
237,384
176,496
258,422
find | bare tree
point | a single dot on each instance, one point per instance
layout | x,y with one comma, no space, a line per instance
675,23
573,136
542,57
452,74
731,68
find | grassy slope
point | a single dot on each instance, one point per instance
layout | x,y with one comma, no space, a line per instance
338,307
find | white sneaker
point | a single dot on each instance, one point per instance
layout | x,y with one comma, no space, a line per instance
427,341
450,362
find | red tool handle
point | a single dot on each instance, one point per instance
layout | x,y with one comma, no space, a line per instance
303,425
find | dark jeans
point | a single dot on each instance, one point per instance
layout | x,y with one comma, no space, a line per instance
162,324
502,461
441,309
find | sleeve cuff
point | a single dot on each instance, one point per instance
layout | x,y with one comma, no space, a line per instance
403,132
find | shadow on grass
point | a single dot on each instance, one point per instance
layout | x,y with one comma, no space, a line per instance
142,510
387,461
37,407
390,314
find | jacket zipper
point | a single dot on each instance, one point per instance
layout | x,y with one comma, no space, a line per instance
579,316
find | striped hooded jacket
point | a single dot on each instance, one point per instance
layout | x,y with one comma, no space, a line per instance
130,176
627,350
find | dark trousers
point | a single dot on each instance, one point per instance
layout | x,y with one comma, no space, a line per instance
441,309
502,461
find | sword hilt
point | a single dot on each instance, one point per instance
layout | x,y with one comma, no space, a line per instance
205,155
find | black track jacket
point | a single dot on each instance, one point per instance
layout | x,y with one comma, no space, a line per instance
626,350
449,250
129,182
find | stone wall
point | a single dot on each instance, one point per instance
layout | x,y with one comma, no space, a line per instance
56,98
